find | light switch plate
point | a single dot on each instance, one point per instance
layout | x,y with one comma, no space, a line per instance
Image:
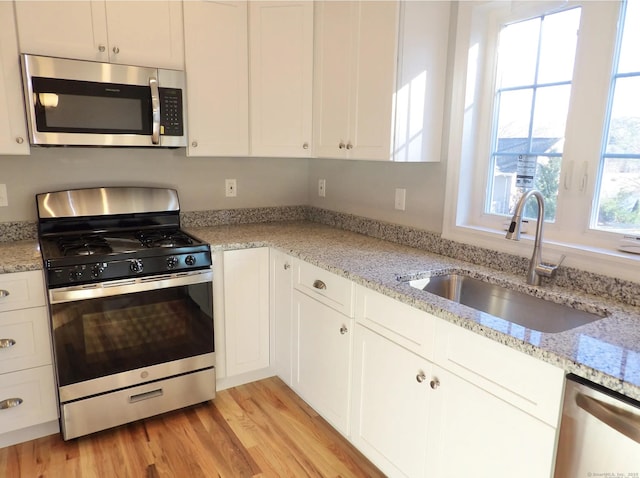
230,188
401,195
4,200
322,188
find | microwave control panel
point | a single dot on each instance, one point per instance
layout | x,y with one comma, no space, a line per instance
171,112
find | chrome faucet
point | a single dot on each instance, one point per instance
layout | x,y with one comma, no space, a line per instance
536,266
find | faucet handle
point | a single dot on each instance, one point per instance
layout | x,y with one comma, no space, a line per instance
549,270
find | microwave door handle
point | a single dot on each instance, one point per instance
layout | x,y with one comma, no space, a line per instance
622,421
155,110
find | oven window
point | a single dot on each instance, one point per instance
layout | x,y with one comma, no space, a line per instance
99,337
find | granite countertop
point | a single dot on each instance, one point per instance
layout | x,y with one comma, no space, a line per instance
606,351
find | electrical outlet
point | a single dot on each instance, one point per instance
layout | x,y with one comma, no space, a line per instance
230,188
401,195
322,188
4,200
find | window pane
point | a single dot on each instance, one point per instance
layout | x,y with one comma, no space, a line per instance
517,53
629,58
550,118
558,46
514,118
619,204
624,129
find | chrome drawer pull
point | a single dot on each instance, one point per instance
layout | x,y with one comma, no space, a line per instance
318,284
6,343
10,403
344,330
421,377
4,293
146,395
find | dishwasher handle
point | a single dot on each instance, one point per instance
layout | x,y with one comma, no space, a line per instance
623,421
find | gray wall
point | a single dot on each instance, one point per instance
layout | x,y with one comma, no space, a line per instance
364,188
199,181
367,188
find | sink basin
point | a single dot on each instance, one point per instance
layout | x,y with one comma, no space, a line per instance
522,309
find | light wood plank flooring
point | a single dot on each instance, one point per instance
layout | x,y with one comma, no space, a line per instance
261,429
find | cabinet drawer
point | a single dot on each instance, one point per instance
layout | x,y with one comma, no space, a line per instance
524,381
407,326
20,290
24,339
35,388
326,287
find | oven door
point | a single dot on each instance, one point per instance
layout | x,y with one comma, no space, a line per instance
117,334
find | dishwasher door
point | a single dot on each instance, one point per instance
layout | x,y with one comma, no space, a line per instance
599,433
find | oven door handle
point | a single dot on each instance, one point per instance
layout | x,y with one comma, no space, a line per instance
129,286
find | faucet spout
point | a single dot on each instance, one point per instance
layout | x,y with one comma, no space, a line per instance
536,267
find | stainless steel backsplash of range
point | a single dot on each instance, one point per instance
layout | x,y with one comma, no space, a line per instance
131,303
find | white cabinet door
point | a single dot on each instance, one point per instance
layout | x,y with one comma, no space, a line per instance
483,436
281,317
13,129
421,81
322,359
391,400
67,29
246,310
146,33
143,33
355,66
281,65
217,66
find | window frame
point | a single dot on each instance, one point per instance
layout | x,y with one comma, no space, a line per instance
473,82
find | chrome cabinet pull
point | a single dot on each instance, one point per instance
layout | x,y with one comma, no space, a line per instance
305,146
194,144
4,293
435,383
116,50
349,146
10,403
19,140
421,377
6,343
620,420
287,266
155,110
101,48
318,284
341,145
344,330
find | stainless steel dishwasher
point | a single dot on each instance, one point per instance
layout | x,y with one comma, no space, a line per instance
599,433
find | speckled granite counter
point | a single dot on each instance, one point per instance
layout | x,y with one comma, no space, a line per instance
606,351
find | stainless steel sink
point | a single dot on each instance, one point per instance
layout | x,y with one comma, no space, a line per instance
528,311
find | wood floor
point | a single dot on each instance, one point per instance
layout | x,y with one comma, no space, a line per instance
261,429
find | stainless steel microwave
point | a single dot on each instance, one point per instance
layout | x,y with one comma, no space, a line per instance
85,103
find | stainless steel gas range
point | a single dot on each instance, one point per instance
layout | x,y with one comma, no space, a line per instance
131,304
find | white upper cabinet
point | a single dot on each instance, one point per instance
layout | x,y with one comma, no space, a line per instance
216,57
13,125
354,69
143,33
281,66
421,81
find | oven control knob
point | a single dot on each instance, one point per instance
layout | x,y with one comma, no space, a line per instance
136,265
96,271
190,260
172,261
75,275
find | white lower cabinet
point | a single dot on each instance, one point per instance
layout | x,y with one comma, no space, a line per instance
391,403
476,408
477,434
322,358
246,310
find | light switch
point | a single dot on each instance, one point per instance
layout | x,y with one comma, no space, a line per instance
401,195
4,200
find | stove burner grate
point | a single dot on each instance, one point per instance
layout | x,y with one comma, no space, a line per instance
84,245
160,238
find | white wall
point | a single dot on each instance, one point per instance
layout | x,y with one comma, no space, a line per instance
367,188
199,181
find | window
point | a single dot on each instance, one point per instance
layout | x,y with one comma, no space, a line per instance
545,95
535,69
618,200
